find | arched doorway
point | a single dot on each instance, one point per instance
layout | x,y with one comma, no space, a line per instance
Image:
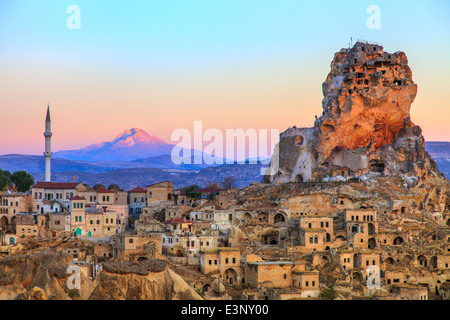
423,262
12,240
271,238
78,232
327,237
278,218
247,216
355,260
372,243
140,259
231,276
433,262
298,178
4,221
371,228
179,253
398,241
389,261
89,234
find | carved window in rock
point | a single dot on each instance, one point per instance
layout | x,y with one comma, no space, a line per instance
299,140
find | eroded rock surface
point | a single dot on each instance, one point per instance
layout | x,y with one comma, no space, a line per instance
365,129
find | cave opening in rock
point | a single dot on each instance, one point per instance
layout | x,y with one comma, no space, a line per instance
376,166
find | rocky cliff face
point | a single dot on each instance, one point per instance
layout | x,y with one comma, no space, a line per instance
43,276
150,280
365,129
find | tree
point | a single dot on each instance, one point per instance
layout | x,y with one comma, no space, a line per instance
5,178
213,185
22,180
329,293
189,191
228,182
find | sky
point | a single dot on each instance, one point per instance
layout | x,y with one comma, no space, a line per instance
161,65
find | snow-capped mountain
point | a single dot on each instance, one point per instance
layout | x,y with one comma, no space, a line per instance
130,145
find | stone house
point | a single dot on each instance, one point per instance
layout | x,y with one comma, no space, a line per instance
223,261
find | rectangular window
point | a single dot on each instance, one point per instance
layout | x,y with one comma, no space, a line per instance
92,221
210,262
234,260
130,241
215,261
226,260
306,283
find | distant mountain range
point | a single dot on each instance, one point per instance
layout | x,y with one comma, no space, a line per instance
135,158
440,152
128,146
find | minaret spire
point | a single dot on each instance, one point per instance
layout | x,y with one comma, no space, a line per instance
48,145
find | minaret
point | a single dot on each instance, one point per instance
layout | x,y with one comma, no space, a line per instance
48,146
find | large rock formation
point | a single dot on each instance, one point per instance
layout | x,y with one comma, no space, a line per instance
365,129
43,276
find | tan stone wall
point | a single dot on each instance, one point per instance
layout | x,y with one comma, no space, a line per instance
159,192
57,222
26,230
276,275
